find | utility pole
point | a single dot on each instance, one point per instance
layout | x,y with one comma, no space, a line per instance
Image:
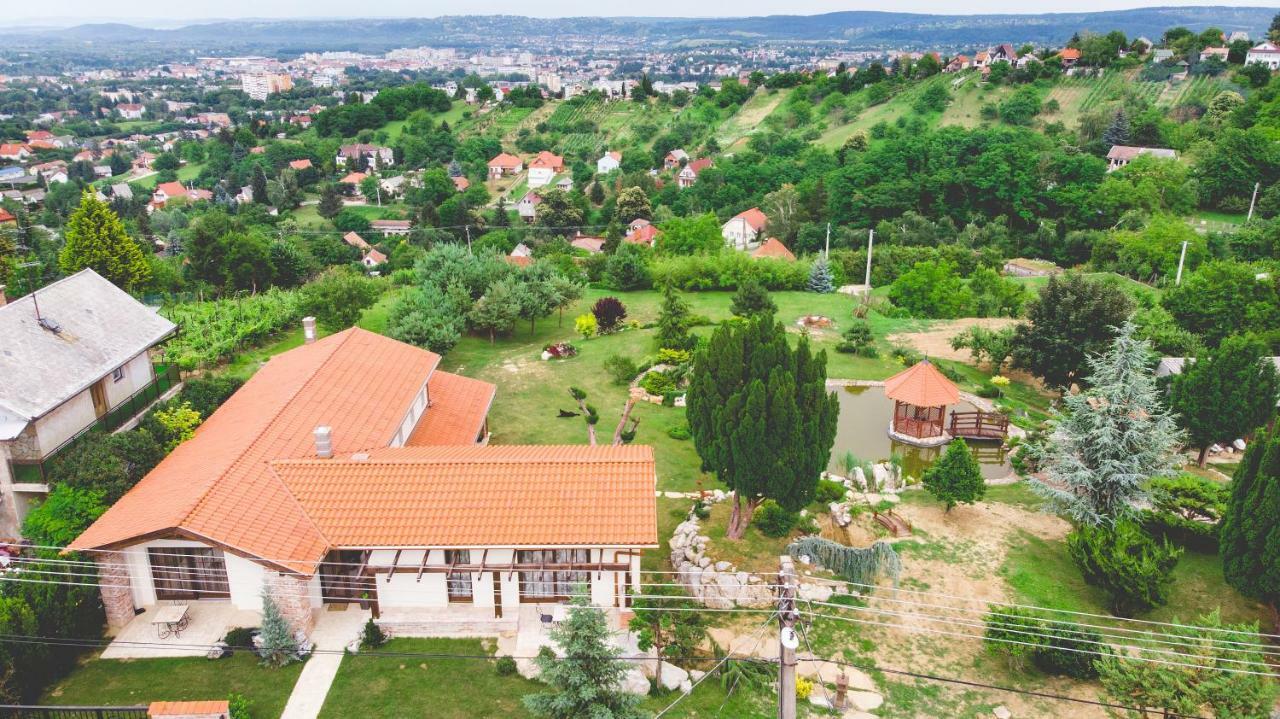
788,641
467,229
871,238
826,253
1181,259
1253,201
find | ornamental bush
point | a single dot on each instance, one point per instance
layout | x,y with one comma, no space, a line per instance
1131,566
609,312
773,519
828,491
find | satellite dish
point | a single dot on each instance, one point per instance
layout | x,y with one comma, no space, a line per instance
789,638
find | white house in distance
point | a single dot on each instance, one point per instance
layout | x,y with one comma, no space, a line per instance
505,164
609,162
1266,53
1121,155
375,156
81,360
351,470
544,168
688,174
527,207
742,231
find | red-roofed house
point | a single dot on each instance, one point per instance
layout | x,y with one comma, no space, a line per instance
131,111
351,470
741,231
504,164
689,173
355,241
303,164
167,192
7,219
460,183
353,179
372,258
544,168
527,207
774,249
642,232
15,151
1070,56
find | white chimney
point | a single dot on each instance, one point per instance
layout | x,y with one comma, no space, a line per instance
308,330
324,442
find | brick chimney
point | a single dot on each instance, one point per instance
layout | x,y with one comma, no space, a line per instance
308,330
324,442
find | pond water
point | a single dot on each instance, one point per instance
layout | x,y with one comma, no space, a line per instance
863,430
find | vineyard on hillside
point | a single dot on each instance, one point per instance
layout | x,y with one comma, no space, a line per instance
210,332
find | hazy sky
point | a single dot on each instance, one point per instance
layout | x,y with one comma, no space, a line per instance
75,11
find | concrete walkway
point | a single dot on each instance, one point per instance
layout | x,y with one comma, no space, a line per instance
333,632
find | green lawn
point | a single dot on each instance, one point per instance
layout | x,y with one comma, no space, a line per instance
128,682
392,687
186,173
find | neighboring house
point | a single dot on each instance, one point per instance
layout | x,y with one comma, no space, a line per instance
688,174
213,119
374,156
1162,54
352,180
460,183
356,241
773,248
393,185
131,111
391,228
527,207
958,63
544,168
1002,53
122,191
167,192
1266,53
6,220
642,232
1069,56
351,470
674,159
1121,155
14,151
593,245
521,256
742,230
608,163
504,165
1218,52
304,164
521,250
76,357
372,258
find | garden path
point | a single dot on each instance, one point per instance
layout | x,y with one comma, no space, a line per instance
333,632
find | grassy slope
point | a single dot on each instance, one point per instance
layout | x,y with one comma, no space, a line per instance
115,682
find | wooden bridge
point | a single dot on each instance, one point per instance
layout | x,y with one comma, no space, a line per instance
897,525
979,425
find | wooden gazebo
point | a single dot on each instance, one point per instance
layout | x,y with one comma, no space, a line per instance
920,397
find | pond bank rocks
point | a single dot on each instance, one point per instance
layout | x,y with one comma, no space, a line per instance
716,584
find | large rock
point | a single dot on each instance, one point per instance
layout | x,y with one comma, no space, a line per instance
865,701
673,676
1002,712
815,592
635,682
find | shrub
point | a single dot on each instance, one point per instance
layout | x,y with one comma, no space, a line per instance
728,270
658,383
773,520
206,394
240,637
828,491
561,350
906,355
609,312
372,637
680,432
63,515
505,666
804,687
1124,561
1186,510
586,326
1053,646
857,339
666,355
177,424
621,369
988,391
628,269
238,706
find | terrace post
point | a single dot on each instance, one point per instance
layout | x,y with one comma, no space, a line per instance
114,584
292,595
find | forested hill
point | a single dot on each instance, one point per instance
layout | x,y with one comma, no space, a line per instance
858,29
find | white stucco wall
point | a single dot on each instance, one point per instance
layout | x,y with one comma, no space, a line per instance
245,578
138,373
63,422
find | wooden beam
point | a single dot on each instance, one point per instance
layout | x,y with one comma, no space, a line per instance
423,567
394,561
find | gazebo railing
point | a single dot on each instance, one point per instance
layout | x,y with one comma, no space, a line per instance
922,429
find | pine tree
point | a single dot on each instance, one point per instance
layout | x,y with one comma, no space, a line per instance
498,309
820,279
761,417
956,477
500,216
1109,440
1118,132
587,680
330,202
279,647
96,238
1249,538
752,299
673,322
258,184
1225,395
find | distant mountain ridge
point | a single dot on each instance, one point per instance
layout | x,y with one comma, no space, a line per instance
856,29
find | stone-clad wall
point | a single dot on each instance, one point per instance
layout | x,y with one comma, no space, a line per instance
117,597
292,596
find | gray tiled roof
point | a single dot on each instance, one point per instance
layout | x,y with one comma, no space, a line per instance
102,327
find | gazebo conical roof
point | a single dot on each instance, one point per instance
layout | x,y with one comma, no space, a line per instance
921,385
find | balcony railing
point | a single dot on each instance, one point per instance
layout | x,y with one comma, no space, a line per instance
167,377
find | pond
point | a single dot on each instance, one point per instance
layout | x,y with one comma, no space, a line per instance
863,430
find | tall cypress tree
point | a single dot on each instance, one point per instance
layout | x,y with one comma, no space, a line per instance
96,238
761,417
673,322
258,184
1249,538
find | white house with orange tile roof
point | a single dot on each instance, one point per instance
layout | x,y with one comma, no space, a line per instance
544,168
742,230
351,470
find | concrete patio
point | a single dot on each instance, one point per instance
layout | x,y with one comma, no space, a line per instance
209,622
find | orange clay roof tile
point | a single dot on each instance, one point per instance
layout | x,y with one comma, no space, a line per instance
481,496
921,385
459,406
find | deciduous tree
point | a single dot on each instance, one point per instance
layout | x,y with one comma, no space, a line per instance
1073,317
1226,394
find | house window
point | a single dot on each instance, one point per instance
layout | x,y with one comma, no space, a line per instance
117,374
188,573
557,583
459,582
